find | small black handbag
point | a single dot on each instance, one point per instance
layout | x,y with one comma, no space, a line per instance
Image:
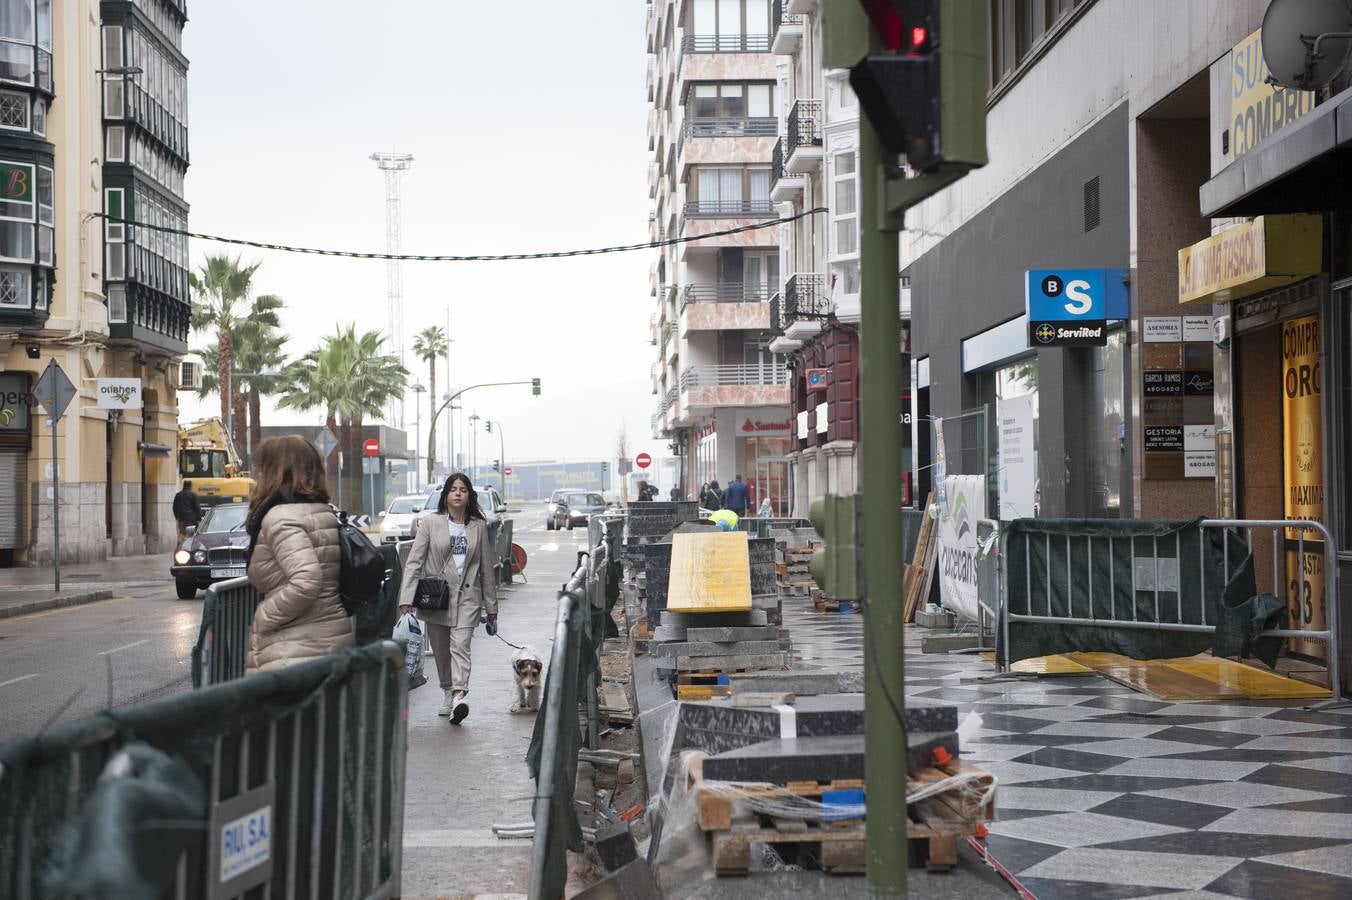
432,594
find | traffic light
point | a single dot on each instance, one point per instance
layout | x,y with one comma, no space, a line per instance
535,386
605,467
488,426
835,565
497,465
924,91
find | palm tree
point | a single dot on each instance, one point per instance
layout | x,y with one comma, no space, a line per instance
257,342
431,344
352,378
221,287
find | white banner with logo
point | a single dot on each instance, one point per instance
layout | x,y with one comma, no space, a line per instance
119,393
966,496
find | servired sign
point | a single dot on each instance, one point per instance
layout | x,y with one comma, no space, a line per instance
371,447
643,460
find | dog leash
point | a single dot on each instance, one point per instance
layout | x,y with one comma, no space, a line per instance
484,621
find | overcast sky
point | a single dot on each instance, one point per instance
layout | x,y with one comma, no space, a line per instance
527,124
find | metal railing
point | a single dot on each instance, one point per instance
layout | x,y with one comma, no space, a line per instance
725,208
724,292
1153,592
667,402
725,43
570,687
718,376
779,17
804,125
228,607
777,170
315,753
805,297
724,127
777,314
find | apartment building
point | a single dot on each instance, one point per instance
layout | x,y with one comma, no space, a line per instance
815,325
92,120
722,395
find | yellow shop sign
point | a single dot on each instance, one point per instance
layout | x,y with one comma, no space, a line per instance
1268,252
1258,109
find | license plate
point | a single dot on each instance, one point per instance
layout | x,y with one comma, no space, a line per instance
227,573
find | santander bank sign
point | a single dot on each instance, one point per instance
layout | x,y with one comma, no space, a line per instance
759,427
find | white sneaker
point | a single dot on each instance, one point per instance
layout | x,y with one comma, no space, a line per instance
447,702
460,709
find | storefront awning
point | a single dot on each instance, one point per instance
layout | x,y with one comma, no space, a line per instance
1300,168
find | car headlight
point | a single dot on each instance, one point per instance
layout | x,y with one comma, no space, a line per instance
182,557
200,556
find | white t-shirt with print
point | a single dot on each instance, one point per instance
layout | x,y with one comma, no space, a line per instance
459,545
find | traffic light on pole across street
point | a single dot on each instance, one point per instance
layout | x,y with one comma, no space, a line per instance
497,465
922,84
835,565
535,386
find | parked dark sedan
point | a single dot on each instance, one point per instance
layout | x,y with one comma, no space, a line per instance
213,552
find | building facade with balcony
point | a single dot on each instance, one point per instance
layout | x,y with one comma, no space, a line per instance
86,104
817,308
722,398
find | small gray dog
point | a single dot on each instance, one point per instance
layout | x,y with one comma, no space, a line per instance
526,669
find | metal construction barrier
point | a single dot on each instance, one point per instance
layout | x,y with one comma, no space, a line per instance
286,784
504,552
570,687
228,607
1149,583
758,527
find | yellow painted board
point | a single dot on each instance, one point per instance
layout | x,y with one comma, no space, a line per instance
710,572
1057,664
1250,681
701,691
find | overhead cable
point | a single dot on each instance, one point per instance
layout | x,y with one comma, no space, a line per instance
476,257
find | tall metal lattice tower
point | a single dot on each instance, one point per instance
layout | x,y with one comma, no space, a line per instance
394,165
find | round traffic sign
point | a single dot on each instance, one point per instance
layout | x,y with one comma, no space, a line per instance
643,460
507,471
371,447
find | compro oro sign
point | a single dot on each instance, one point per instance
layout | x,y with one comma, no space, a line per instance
1257,109
1269,252
119,393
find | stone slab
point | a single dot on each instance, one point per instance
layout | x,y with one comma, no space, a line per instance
943,619
664,633
763,572
943,643
766,699
711,648
800,683
718,620
731,633
748,661
636,879
817,758
615,845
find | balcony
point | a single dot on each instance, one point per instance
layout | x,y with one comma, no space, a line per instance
728,209
720,306
788,36
749,386
806,305
779,342
725,127
803,143
784,187
725,43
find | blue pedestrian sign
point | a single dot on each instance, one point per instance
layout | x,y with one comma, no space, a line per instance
1071,307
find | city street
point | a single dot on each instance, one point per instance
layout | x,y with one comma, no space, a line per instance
64,664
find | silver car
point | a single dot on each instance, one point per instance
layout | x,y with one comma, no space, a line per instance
396,523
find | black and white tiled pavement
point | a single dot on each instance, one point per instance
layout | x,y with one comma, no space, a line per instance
1106,793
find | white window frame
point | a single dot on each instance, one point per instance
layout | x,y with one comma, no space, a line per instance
24,101
837,218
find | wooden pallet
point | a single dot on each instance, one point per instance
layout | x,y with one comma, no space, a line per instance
710,676
920,573
941,821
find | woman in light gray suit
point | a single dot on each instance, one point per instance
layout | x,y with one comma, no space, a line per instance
453,544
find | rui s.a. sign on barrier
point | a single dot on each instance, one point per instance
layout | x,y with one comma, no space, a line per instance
1072,307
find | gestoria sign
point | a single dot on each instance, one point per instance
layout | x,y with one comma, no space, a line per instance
1257,109
1268,252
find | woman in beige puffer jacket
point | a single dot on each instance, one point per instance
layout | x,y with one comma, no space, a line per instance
294,558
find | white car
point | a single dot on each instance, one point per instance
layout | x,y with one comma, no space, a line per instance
396,523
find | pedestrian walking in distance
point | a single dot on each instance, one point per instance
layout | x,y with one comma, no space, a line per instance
294,558
453,545
675,494
712,498
187,510
736,496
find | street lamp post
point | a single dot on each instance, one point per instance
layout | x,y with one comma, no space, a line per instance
473,446
502,454
418,391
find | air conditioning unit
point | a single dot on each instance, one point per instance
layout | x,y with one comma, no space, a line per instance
189,375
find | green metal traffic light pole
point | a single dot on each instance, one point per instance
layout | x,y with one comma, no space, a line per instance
881,375
432,428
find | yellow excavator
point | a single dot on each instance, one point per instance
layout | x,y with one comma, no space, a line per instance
207,458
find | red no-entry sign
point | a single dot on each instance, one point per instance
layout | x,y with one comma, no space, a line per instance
643,460
507,471
371,447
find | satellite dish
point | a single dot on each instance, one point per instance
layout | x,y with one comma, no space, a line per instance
1305,42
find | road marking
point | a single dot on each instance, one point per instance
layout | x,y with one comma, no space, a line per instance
17,680
451,838
125,647
60,609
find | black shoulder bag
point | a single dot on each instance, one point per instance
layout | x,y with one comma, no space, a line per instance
432,594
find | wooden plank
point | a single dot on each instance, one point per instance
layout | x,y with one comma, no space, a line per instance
713,811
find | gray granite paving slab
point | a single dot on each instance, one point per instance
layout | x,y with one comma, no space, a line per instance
1079,829
1239,794
1285,822
1134,867
1189,769
1330,860
710,648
